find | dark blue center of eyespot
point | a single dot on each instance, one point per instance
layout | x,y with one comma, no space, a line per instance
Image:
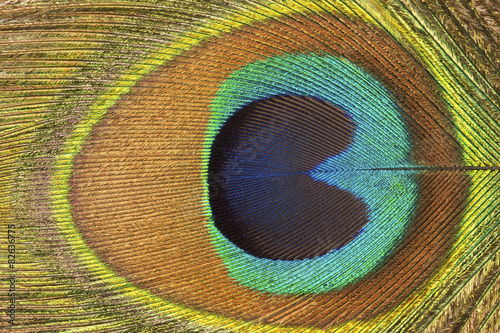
261,194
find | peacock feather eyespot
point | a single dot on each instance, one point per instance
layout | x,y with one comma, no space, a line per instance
252,166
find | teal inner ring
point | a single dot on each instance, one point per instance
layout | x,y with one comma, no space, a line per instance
376,168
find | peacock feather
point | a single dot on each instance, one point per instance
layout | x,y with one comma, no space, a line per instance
250,166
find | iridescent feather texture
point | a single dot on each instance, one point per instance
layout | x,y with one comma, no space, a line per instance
250,166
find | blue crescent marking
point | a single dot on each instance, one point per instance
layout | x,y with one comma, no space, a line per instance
381,141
